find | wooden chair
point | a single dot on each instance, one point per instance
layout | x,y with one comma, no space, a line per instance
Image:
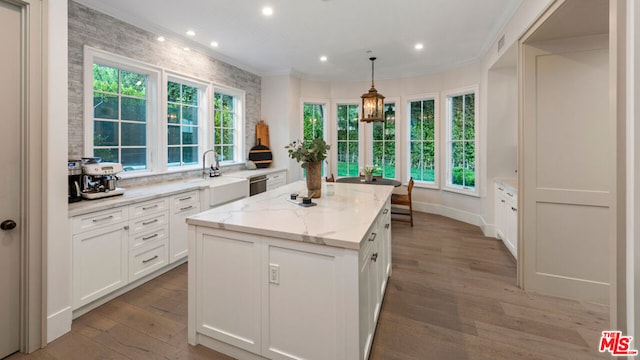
404,200
330,178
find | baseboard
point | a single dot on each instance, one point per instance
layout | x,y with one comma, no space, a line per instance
59,323
488,230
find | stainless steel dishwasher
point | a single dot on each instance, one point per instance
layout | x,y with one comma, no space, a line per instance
257,184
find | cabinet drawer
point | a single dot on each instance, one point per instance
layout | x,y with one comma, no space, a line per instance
147,259
149,207
181,200
98,219
148,237
146,223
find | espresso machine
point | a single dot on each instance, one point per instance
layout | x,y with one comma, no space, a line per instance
74,168
99,180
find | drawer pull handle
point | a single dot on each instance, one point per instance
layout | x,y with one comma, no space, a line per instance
514,209
374,257
187,198
502,201
373,236
150,237
386,226
510,194
150,207
385,211
186,208
501,189
103,219
150,259
150,222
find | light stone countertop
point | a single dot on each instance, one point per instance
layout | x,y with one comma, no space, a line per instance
246,174
341,220
133,195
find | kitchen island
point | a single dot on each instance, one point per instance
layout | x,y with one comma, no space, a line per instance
270,279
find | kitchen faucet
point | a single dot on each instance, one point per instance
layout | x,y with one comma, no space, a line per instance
215,170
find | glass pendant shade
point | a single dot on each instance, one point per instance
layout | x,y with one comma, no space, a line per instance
372,102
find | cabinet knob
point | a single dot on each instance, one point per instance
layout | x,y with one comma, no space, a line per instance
8,225
514,209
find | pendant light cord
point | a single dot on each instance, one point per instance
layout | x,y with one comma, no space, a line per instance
372,60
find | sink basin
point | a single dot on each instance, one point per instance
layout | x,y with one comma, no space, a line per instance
226,189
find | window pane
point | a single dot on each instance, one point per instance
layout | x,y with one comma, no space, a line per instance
105,106
189,95
190,115
428,161
457,118
469,117
378,153
173,135
174,156
227,120
105,133
227,136
378,130
107,155
173,92
133,135
227,153
227,103
416,161
190,155
342,159
216,118
217,136
105,78
389,165
173,113
134,159
457,163
189,135
134,109
428,114
416,120
133,84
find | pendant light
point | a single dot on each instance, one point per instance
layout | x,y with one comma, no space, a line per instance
372,102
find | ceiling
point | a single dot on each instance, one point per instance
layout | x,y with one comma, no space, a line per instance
453,32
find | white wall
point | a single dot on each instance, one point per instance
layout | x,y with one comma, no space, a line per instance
57,238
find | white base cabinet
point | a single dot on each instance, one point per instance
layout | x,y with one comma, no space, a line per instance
277,179
506,213
182,206
260,297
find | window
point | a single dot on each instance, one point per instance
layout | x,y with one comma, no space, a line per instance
183,124
384,142
461,140
227,125
348,140
313,123
422,143
120,119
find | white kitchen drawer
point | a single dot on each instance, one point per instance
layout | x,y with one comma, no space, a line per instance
98,219
181,200
155,235
147,223
149,207
147,260
276,180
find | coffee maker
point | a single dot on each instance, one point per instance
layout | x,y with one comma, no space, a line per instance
99,180
75,179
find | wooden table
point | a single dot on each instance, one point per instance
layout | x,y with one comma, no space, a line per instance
374,181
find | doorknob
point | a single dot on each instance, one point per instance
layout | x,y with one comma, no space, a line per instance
8,225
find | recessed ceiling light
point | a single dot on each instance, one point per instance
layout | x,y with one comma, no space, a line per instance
418,46
191,33
186,49
267,11
214,44
161,38
323,58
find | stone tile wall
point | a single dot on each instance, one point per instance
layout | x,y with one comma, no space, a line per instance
101,31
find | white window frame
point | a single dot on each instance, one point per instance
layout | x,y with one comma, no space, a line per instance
239,126
203,119
153,73
334,134
447,95
327,164
436,137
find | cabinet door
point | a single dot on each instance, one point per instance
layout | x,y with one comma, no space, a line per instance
178,238
500,205
276,180
365,303
100,263
512,227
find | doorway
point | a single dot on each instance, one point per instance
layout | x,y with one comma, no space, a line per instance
10,208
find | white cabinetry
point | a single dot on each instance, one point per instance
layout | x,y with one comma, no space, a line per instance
277,179
282,299
148,241
100,246
182,205
506,212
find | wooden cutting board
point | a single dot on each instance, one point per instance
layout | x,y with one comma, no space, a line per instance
262,133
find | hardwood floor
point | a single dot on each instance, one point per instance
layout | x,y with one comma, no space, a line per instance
452,295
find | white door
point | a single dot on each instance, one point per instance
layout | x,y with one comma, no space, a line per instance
568,169
10,30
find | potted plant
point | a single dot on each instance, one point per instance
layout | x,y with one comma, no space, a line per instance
368,172
310,155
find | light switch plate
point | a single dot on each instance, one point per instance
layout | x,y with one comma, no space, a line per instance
274,274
